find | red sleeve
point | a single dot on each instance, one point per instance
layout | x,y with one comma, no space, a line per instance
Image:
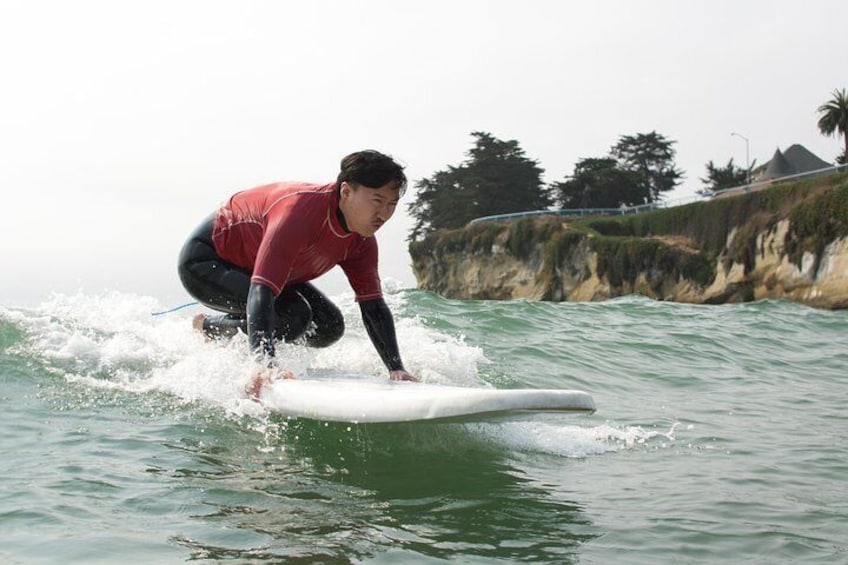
361,270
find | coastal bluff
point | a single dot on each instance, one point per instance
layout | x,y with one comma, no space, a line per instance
789,241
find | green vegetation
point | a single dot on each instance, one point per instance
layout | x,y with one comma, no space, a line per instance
475,239
600,183
816,221
621,259
684,242
497,178
833,119
719,178
708,224
527,234
651,157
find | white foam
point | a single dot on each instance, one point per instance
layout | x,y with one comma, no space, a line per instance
112,340
571,440
428,354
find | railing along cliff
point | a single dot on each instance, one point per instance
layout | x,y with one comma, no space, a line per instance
733,191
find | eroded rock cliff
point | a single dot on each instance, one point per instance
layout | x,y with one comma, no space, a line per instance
790,241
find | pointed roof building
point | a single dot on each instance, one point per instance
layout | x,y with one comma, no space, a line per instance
795,160
778,167
803,160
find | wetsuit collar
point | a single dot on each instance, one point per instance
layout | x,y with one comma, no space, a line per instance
340,217
339,225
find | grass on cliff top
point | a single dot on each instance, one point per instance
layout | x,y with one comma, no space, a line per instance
707,223
817,209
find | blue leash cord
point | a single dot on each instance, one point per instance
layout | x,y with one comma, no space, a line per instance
174,309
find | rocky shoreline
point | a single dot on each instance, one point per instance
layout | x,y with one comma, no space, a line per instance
787,242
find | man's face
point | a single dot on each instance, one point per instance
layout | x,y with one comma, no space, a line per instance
366,209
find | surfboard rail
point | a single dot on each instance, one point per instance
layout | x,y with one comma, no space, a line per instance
359,401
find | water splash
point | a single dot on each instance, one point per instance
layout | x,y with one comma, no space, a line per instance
111,341
574,441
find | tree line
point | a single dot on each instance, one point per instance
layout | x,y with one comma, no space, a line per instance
499,178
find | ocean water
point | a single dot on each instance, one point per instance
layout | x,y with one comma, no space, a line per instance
720,437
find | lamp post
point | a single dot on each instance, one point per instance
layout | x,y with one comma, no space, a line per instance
747,157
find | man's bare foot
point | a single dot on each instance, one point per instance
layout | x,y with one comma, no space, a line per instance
197,322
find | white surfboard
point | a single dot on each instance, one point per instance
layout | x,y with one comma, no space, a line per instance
362,401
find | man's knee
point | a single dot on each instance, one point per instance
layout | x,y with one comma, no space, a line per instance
321,323
294,316
329,331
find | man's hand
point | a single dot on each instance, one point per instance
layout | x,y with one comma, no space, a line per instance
402,375
264,377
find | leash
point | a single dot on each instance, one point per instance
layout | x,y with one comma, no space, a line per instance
174,309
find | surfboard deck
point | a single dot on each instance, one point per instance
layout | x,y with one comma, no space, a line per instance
362,401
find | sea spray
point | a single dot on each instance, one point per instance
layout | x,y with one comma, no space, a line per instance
112,341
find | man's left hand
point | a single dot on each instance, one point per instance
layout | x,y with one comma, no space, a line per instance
402,376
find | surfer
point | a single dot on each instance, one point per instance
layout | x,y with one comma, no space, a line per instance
253,258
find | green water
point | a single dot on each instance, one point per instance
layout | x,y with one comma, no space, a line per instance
719,437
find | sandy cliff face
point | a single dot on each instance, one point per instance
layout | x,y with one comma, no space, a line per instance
767,271
822,283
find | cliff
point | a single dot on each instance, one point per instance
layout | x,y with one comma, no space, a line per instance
788,241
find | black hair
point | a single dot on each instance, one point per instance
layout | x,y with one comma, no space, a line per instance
372,169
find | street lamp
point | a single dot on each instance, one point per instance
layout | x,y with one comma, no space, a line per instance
747,158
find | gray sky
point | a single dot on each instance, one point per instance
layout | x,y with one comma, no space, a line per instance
123,124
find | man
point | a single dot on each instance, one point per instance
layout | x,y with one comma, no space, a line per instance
253,260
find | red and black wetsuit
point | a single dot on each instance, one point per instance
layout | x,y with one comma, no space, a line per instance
254,258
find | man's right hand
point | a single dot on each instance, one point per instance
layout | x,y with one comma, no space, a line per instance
264,377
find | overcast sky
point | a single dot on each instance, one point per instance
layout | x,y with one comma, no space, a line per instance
123,124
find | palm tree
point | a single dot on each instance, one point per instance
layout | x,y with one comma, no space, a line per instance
834,117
